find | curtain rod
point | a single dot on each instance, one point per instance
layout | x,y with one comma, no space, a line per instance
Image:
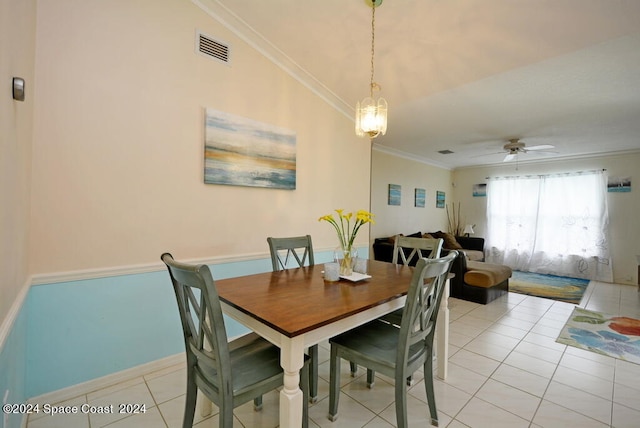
549,175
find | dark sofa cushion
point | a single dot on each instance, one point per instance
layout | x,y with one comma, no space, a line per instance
450,241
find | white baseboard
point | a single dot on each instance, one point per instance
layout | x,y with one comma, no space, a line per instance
108,380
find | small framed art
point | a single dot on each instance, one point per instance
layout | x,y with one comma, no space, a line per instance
395,194
420,196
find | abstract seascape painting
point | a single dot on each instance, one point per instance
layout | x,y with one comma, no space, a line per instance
243,152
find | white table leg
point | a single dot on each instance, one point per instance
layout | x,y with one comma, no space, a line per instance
442,345
291,398
205,405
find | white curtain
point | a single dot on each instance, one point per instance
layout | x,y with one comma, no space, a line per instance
553,224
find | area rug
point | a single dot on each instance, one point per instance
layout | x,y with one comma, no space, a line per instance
617,337
553,287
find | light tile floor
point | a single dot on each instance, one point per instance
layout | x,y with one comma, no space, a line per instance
506,370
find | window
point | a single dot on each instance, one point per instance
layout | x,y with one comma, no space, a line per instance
555,224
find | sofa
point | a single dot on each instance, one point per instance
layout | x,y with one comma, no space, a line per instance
473,280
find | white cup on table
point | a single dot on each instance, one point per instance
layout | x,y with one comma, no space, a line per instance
331,272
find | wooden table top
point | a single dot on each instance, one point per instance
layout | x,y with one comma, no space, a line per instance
295,301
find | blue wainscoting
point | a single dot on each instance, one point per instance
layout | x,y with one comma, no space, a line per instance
13,369
73,332
86,329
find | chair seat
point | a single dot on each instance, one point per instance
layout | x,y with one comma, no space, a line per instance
377,342
394,317
254,360
258,361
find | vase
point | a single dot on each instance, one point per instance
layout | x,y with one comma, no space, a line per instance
346,257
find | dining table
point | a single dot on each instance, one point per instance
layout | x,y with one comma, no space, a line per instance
296,308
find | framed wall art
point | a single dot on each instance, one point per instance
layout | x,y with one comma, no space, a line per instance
440,199
619,184
420,196
243,152
480,190
395,194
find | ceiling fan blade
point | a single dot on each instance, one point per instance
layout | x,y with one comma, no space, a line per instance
509,157
540,147
540,152
487,154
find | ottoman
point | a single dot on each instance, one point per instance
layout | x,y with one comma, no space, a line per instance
485,281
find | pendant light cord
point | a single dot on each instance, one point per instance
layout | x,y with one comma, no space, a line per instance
373,38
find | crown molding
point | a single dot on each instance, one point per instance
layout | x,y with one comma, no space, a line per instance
566,158
399,153
254,39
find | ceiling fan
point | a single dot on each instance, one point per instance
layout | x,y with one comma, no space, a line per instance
515,146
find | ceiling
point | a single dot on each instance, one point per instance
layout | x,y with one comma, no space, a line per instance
465,75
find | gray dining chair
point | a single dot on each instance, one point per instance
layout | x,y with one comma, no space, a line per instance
420,247
397,352
227,373
415,247
297,249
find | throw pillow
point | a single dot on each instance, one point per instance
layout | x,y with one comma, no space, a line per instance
449,240
392,239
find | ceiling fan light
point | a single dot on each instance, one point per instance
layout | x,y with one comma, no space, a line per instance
371,117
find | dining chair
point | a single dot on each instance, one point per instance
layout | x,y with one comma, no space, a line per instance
416,248
298,249
420,247
397,352
227,373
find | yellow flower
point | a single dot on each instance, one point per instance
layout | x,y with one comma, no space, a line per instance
364,216
346,231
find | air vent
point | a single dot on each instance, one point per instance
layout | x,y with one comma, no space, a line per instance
212,48
445,152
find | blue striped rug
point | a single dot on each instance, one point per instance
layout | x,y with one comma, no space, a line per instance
553,287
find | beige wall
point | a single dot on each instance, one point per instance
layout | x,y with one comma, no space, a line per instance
410,174
623,207
17,53
118,141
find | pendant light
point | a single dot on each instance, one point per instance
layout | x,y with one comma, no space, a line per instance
371,114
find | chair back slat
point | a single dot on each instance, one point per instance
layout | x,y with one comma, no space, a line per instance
299,248
420,247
